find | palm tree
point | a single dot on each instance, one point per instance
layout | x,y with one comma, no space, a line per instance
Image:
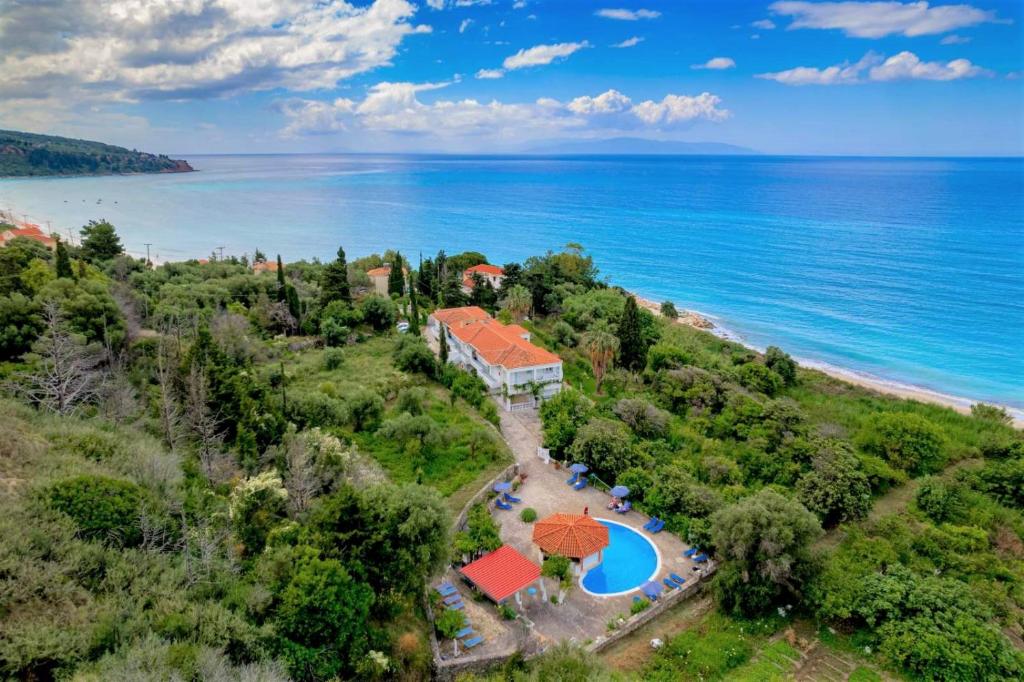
600,347
517,302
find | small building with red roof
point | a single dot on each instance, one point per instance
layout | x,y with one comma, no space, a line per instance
28,231
489,273
265,266
502,355
502,574
576,536
379,278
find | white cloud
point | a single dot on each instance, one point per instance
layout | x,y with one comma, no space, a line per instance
872,67
127,50
879,19
764,24
629,42
627,14
464,25
519,4
716,63
395,108
490,74
435,4
954,39
540,55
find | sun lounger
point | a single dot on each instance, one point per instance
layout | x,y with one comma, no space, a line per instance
464,632
510,498
656,528
472,642
573,479
503,505
651,590
690,552
452,598
623,508
650,524
700,558
457,606
670,584
446,590
677,578
581,484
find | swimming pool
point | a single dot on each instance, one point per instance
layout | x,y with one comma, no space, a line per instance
629,561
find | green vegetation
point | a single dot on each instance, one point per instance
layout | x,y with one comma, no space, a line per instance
32,154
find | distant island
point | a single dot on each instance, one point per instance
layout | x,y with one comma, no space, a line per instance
28,154
636,145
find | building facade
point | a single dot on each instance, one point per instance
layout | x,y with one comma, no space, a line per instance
490,273
522,374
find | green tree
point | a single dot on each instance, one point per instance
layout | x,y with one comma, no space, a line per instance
605,446
449,622
396,277
836,489
632,346
100,242
562,417
378,311
517,302
414,312
63,262
781,363
482,534
334,281
758,377
941,501
102,508
674,491
20,325
282,294
321,618
364,408
668,310
906,440
258,504
764,543
600,347
442,345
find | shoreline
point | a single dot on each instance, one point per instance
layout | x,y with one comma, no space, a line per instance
879,385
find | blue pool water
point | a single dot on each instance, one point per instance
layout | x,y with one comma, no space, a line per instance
629,561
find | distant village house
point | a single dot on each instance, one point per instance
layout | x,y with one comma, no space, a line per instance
379,278
29,231
490,273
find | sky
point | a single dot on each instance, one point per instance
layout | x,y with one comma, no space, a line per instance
492,76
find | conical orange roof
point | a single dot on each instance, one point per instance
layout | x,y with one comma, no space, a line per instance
570,535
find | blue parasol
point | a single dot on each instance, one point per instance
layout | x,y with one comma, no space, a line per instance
502,487
579,468
620,491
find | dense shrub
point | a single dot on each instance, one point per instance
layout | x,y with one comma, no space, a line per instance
378,311
528,515
781,363
940,500
758,377
309,409
562,416
102,508
645,419
606,447
364,408
334,358
413,355
907,441
564,334
836,489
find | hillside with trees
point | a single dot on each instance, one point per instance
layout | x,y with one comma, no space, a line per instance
214,473
26,154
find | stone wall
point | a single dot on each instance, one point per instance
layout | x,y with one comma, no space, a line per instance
481,495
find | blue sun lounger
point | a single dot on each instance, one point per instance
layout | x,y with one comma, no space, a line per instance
457,606
473,641
572,480
446,589
503,505
451,599
656,528
690,552
650,524
510,498
670,584
651,590
700,558
677,578
464,632
581,484
623,508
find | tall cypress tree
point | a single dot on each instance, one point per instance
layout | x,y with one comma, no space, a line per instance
282,295
396,278
632,349
63,262
334,281
414,313
442,345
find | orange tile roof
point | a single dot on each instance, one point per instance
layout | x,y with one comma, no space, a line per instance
501,573
379,272
29,231
499,344
484,269
463,315
265,266
570,535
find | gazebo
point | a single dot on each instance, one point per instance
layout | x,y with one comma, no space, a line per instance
576,536
502,574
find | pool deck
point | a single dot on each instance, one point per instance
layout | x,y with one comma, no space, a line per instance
581,617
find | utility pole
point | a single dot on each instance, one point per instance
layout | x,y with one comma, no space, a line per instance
149,263
221,250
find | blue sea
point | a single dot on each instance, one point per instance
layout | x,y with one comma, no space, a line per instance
906,270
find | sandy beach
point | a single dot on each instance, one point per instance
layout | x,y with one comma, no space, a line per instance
962,405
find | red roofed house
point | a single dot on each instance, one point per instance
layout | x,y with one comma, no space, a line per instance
576,536
265,266
490,273
29,231
501,354
379,278
502,574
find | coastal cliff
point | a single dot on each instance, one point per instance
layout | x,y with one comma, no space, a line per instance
29,154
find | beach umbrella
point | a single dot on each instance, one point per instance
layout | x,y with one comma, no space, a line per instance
503,486
579,468
620,491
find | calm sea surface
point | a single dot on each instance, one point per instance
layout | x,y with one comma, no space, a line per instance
910,270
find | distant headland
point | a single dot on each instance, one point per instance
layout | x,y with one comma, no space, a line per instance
30,154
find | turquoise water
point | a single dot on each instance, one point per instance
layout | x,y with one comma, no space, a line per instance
911,270
629,561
